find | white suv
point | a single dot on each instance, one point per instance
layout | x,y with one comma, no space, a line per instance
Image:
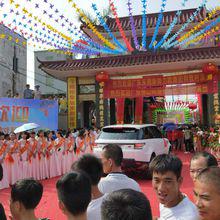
139,143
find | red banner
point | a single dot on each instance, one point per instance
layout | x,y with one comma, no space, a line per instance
158,81
204,88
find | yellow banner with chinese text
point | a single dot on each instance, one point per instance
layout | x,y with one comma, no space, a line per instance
72,89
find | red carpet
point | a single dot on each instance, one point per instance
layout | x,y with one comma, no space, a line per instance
48,206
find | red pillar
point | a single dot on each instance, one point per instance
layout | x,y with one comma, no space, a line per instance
120,105
199,97
139,110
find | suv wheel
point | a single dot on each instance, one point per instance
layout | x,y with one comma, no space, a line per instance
152,156
147,174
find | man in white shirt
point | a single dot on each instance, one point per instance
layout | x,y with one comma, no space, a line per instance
37,92
112,157
207,193
166,181
92,166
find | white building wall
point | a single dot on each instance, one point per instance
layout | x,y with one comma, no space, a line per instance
7,48
48,84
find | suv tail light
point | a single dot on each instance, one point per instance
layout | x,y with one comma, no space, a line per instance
165,141
139,146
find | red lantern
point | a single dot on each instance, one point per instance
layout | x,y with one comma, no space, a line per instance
102,77
192,106
153,106
210,68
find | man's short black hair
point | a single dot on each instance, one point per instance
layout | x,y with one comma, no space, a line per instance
91,165
210,159
166,162
74,190
210,175
114,152
28,192
126,204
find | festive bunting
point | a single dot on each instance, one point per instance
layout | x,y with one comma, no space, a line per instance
201,23
144,24
172,25
36,21
159,20
207,28
113,8
168,43
92,27
70,39
133,30
207,34
103,23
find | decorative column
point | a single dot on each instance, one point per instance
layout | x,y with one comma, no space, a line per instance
212,69
101,104
216,100
101,78
72,94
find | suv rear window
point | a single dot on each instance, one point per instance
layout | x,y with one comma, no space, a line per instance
121,134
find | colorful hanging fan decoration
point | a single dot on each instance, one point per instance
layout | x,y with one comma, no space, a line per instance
107,29
133,29
144,24
172,25
113,8
171,41
92,27
47,26
159,20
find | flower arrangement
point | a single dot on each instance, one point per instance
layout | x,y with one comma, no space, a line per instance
214,141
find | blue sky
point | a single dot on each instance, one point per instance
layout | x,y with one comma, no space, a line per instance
64,7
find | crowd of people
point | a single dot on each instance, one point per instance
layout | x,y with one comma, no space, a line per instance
190,138
42,156
37,94
83,194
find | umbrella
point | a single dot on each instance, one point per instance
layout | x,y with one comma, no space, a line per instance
168,124
26,127
171,128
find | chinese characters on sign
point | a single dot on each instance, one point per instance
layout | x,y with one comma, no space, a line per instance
72,102
16,112
157,86
101,104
